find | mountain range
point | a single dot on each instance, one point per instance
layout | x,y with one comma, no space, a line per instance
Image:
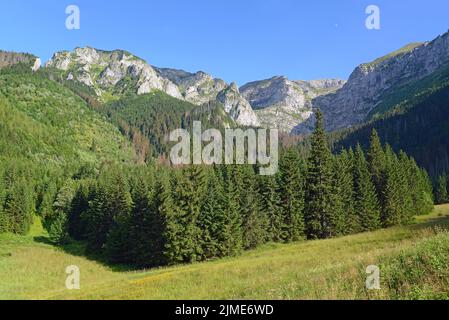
273,103
119,80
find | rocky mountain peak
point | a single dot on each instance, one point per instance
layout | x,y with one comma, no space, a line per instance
197,88
237,107
282,103
111,73
370,82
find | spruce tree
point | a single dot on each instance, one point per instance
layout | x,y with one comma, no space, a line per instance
292,196
319,184
391,209
18,207
337,221
376,163
271,212
99,219
212,220
233,181
254,220
170,215
140,224
190,192
366,203
347,195
119,204
441,194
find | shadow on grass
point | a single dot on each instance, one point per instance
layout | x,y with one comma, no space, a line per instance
78,249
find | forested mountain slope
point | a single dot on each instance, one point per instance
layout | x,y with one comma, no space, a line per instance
419,126
41,120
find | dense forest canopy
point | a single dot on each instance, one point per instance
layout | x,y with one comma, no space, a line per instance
88,171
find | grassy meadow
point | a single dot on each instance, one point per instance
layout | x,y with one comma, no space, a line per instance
414,263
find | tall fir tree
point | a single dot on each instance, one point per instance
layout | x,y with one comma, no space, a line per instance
441,193
391,208
254,220
291,182
318,210
376,163
118,246
366,203
347,195
233,181
271,213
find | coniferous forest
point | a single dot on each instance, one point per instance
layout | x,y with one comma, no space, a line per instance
153,215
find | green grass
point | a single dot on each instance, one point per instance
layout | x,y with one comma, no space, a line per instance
414,262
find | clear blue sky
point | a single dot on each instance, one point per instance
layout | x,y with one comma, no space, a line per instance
241,40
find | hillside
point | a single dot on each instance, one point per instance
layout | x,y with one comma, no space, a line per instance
416,125
156,114
44,121
325,269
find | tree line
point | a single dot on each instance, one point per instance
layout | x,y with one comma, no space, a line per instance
155,215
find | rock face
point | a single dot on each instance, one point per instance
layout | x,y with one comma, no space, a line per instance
197,88
115,73
370,82
111,73
8,59
237,107
283,104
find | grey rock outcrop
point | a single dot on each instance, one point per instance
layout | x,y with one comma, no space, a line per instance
197,88
371,81
283,104
237,107
111,72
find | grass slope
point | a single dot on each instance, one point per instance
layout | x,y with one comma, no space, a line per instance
414,263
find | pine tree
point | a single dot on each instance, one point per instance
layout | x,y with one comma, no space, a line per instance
319,185
391,210
337,221
441,194
118,248
233,181
254,220
190,191
212,220
140,225
77,220
376,163
172,229
58,222
366,203
272,216
405,185
18,207
99,219
347,195
292,196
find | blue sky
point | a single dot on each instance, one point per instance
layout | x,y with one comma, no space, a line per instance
237,40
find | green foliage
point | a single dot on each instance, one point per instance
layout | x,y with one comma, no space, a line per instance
45,122
156,114
441,194
319,185
420,273
366,203
291,193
